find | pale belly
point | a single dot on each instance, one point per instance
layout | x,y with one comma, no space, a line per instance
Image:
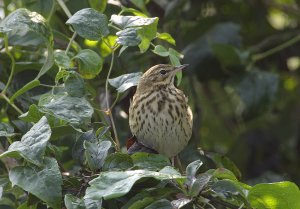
163,136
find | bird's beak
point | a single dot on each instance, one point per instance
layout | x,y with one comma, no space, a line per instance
181,67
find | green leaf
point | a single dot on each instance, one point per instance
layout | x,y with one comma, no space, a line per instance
6,130
223,173
160,204
166,37
230,191
45,183
118,183
48,62
133,11
124,82
275,195
89,24
72,202
128,37
74,85
90,63
199,184
117,162
62,74
25,20
92,204
148,196
147,34
27,87
253,91
78,149
191,171
62,59
150,161
132,21
75,110
222,161
96,153
181,202
141,4
33,144
228,55
161,51
32,115
145,28
99,5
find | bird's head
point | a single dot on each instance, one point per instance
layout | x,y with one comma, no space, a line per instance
159,75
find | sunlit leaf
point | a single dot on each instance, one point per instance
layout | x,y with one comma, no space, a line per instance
275,195
166,37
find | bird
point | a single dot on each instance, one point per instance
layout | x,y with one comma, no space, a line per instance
159,115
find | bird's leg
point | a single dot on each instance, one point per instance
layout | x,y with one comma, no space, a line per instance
176,160
179,163
173,161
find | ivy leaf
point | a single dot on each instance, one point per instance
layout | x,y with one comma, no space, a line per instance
145,29
149,161
230,191
117,162
45,183
6,130
163,203
72,202
61,59
32,115
98,5
96,153
166,37
75,85
124,82
199,184
161,51
115,184
33,144
75,110
147,34
132,21
128,37
23,19
275,195
89,24
90,63
191,171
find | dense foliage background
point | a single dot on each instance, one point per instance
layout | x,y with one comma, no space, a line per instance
242,83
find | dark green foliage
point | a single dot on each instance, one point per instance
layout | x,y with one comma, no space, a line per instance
66,82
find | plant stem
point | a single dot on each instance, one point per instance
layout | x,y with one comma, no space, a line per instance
64,7
263,55
117,143
70,43
11,103
12,65
51,11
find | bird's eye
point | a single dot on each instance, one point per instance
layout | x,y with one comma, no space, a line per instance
163,72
